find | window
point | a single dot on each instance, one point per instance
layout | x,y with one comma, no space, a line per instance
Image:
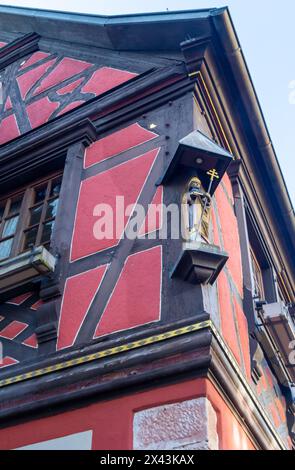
257,277
27,218
262,273
42,213
9,218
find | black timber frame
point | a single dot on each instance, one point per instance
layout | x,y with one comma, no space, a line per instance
19,48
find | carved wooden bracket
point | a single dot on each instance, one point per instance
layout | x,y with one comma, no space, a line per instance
200,263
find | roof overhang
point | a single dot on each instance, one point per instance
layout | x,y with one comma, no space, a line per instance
139,32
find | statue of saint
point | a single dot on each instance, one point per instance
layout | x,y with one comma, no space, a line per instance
196,204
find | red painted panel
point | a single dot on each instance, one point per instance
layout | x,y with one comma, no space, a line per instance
20,299
231,434
31,342
115,143
8,104
70,106
12,330
263,381
79,293
40,111
125,180
281,407
274,414
8,129
69,88
105,79
228,187
2,44
65,69
37,305
8,361
136,299
28,79
226,313
154,218
230,235
36,57
269,377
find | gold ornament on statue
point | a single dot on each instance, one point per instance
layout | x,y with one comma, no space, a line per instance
196,205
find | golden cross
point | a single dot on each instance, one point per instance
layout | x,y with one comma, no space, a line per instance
213,174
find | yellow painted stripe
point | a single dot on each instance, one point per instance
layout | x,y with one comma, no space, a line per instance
107,352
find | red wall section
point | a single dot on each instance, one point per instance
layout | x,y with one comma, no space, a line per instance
37,305
272,400
233,321
228,187
7,361
36,57
230,235
79,293
31,341
12,330
136,299
125,180
8,104
20,299
70,106
154,217
8,129
231,433
40,111
69,88
228,328
67,68
28,79
50,76
116,143
112,421
106,78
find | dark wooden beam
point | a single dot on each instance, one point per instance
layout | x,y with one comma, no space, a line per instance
18,49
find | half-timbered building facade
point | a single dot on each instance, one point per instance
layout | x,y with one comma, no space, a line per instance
147,337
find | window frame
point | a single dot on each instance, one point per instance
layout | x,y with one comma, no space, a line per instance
23,224
7,215
257,276
258,253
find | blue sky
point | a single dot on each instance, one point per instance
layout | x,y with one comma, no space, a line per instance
267,35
